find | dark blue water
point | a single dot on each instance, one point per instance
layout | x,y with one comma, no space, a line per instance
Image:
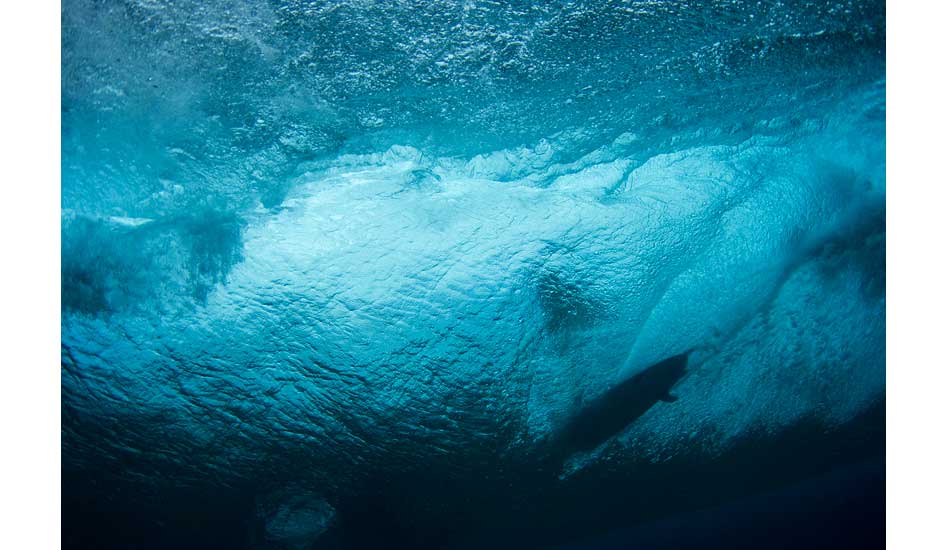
473,274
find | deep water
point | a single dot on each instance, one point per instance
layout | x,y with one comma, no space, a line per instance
465,274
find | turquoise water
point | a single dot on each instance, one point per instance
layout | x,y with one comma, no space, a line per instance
457,274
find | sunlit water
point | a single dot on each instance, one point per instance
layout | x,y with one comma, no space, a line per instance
472,274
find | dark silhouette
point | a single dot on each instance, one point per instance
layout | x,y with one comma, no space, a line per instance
619,407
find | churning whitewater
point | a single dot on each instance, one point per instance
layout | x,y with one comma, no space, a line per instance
463,274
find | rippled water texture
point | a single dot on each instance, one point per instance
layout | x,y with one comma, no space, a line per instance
463,274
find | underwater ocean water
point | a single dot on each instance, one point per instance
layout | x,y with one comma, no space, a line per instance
473,274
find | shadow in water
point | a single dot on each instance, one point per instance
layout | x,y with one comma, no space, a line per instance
619,407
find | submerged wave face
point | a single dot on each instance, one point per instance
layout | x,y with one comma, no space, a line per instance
458,273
